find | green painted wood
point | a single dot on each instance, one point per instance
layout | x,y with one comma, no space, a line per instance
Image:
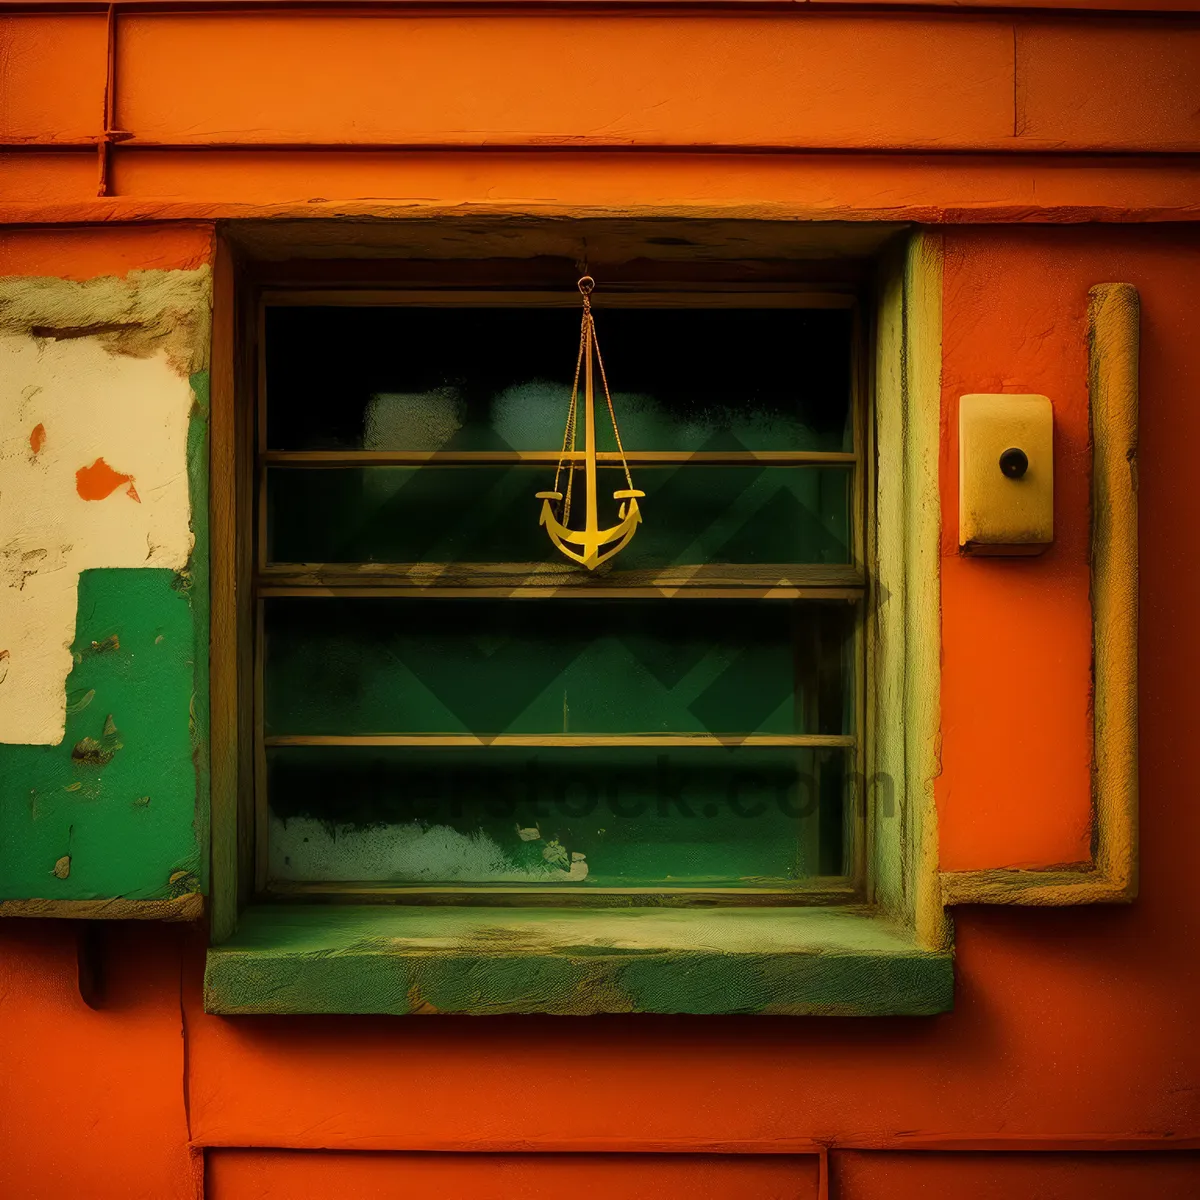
119,809
122,796
364,959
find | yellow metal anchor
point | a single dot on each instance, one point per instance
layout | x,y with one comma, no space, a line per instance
591,539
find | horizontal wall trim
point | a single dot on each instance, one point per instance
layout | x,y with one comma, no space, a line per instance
917,1142
1015,149
1156,10
569,184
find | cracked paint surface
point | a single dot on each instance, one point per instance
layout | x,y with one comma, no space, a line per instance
94,394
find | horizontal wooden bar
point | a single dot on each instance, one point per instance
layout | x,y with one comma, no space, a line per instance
189,907
547,578
815,891
476,458
545,593
1160,9
821,194
330,77
814,741
608,296
53,73
393,959
1153,9
902,80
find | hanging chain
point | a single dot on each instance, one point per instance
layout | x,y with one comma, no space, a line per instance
612,416
585,287
587,337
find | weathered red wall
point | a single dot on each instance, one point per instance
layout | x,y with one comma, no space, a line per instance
1072,1028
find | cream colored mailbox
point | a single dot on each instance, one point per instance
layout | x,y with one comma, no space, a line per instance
1005,474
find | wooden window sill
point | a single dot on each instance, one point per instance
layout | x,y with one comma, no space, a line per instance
407,959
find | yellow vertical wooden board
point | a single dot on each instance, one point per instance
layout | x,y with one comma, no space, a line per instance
1113,318
922,676
885,664
903,704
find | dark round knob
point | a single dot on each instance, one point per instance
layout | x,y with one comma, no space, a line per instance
1014,463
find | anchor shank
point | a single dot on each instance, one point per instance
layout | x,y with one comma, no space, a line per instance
592,524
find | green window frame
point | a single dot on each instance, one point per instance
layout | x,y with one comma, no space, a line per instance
878,944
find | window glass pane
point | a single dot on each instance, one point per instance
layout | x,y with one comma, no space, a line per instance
575,666
578,818
408,378
691,514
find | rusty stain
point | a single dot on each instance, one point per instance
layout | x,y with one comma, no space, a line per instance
99,481
142,802
62,868
68,332
37,438
183,883
91,752
417,1002
73,787
112,642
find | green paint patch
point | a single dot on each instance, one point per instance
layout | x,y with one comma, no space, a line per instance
368,959
86,792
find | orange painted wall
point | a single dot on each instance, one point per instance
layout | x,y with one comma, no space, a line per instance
1073,1025
1072,1028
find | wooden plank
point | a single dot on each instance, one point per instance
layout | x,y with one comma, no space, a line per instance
820,193
812,891
189,907
668,740
469,458
593,593
901,82
1143,8
224,722
253,1174
1108,86
52,79
922,558
613,295
388,959
548,579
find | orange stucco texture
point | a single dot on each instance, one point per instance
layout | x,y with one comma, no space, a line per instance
1072,1028
1016,637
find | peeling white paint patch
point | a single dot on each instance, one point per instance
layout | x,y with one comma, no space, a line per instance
91,403
303,849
